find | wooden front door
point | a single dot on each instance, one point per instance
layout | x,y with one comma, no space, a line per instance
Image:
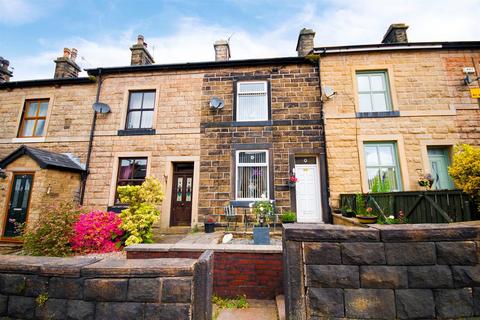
18,203
182,194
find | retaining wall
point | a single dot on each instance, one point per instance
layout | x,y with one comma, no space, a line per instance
253,271
86,288
382,272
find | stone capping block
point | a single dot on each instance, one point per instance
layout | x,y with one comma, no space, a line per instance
328,233
203,287
48,266
459,231
200,247
160,267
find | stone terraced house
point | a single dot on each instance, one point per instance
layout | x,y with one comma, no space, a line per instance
227,132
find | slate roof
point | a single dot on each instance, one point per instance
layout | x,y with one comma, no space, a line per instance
45,159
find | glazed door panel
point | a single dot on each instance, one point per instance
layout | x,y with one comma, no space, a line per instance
182,195
18,203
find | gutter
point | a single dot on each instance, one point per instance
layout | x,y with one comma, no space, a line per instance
45,82
90,141
324,178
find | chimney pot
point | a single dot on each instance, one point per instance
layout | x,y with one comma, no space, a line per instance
222,50
305,42
5,74
73,54
140,54
66,53
396,33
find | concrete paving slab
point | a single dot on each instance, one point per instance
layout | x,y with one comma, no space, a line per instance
257,310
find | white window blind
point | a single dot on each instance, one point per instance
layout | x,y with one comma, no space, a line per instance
252,175
373,91
252,103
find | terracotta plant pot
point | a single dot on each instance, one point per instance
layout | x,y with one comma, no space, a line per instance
367,219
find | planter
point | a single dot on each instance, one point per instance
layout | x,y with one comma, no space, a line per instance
209,227
291,185
261,235
367,219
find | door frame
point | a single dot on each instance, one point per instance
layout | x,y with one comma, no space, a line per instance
172,198
317,194
7,205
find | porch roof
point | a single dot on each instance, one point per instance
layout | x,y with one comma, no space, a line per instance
45,159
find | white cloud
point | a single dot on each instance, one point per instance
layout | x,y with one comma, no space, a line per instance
18,12
335,22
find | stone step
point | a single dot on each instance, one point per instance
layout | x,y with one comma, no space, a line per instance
10,248
280,300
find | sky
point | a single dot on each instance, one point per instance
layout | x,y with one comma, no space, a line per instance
34,32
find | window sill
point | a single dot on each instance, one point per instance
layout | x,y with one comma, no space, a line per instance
136,132
252,123
382,114
244,203
28,140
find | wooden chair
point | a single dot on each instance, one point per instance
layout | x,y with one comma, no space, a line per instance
230,216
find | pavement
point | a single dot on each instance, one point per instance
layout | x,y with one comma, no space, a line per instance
257,310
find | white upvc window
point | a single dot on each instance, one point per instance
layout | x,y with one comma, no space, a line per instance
373,91
252,175
252,101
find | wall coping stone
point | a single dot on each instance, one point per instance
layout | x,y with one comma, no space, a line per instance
246,248
160,267
328,232
459,231
52,266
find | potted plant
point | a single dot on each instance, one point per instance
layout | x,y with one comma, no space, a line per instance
363,214
292,180
426,181
288,216
263,211
347,212
209,224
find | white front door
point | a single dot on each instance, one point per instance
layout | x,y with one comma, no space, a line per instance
308,193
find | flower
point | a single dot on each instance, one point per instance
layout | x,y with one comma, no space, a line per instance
369,209
391,217
293,179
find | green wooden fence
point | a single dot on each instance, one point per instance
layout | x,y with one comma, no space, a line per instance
442,206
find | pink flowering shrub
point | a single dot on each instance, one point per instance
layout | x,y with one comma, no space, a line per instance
97,232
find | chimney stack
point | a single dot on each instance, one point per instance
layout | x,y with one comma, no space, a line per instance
65,67
140,54
222,50
396,33
5,74
305,42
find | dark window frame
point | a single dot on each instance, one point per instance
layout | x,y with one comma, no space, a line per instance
118,180
141,109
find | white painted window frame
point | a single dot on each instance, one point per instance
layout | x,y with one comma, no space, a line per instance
237,165
238,94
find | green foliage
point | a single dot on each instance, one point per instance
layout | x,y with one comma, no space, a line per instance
465,170
380,185
50,235
288,216
263,210
41,299
142,212
239,302
362,210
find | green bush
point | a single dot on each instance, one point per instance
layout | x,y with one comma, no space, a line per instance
50,235
288,216
142,212
379,185
465,169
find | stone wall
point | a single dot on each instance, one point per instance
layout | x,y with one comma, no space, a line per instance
85,288
294,129
253,271
435,109
382,272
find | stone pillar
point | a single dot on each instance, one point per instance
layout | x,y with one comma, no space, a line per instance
66,67
305,42
5,74
396,33
140,54
222,50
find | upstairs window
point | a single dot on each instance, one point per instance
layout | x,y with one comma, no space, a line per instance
373,91
252,175
382,164
131,172
252,101
141,105
33,119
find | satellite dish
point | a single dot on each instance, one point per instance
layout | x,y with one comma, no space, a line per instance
216,103
101,107
328,92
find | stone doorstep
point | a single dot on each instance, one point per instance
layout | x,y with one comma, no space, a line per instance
69,267
159,267
246,248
